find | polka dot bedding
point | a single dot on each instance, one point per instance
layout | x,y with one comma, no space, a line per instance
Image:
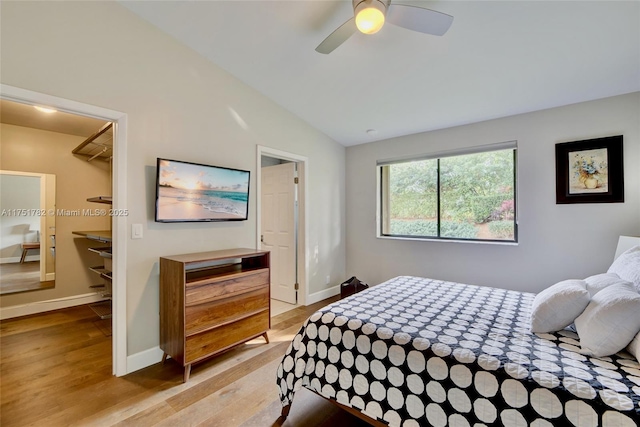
420,352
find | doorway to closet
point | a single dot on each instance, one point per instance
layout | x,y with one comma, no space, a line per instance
69,158
117,182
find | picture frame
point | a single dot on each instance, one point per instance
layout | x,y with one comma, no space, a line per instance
590,171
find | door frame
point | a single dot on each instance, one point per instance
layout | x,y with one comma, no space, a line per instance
119,223
302,161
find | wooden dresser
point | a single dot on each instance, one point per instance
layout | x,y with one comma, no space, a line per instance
212,301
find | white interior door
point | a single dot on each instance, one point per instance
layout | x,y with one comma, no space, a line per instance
278,228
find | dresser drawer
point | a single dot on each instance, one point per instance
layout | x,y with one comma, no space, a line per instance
204,316
221,288
212,341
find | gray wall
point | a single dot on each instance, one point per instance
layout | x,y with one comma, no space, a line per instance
180,106
556,242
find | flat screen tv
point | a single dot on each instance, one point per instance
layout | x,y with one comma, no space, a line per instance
192,192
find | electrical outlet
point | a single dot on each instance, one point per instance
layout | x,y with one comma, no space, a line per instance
328,279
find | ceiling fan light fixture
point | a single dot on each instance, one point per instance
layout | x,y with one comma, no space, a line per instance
370,16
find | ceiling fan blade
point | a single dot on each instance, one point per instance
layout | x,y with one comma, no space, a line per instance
338,37
419,19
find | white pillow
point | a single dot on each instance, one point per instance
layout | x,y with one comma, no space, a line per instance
600,281
556,307
627,266
634,347
610,321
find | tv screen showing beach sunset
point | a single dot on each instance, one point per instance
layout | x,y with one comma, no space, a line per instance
189,192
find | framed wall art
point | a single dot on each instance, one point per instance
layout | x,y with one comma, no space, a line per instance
590,171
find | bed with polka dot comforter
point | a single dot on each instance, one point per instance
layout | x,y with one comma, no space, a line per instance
420,352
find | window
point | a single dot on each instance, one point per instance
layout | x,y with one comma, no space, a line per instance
466,195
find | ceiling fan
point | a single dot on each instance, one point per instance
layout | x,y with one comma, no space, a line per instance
369,17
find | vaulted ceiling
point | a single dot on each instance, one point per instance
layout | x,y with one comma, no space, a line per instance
499,58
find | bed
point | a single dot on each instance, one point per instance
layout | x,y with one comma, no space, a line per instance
420,352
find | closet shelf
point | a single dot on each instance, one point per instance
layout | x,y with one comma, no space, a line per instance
102,309
102,272
97,235
103,252
101,199
99,145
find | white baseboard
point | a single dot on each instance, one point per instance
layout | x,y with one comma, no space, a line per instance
324,294
16,259
44,306
144,359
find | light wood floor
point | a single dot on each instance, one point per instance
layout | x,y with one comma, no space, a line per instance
16,277
56,371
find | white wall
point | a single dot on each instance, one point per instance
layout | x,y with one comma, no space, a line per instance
556,242
179,106
18,192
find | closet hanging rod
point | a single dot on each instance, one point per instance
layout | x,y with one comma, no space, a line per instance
104,149
91,140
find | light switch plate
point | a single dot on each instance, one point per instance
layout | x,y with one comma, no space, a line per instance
136,231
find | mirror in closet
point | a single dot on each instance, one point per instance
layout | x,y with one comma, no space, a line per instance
27,231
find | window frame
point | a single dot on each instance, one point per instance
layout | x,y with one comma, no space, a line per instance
382,214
